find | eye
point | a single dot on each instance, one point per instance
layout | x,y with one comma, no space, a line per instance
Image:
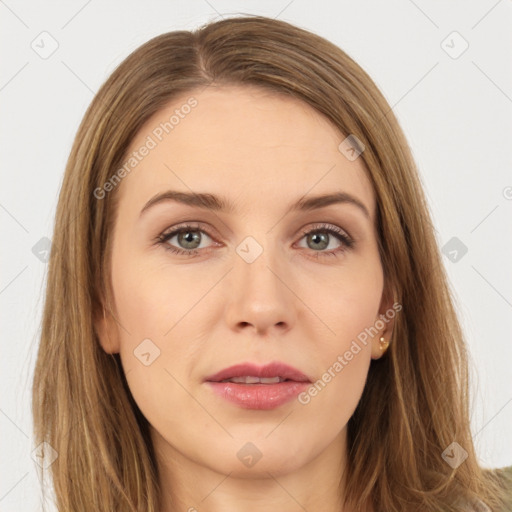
190,238
322,235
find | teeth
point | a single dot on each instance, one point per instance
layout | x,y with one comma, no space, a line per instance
255,380
271,380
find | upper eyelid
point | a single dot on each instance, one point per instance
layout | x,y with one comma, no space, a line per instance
199,226
195,226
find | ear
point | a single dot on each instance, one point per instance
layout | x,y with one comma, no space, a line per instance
385,321
106,329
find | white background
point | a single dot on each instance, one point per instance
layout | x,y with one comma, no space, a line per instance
456,114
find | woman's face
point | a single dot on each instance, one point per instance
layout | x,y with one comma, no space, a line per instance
249,284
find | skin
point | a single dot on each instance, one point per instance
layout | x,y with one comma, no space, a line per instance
212,310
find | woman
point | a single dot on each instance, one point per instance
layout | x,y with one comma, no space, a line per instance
199,350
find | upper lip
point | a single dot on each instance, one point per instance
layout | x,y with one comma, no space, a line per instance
275,369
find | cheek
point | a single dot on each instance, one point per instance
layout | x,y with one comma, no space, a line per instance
344,359
150,298
157,322
152,315
347,299
349,306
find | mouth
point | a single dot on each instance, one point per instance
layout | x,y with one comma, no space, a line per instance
250,374
255,380
258,387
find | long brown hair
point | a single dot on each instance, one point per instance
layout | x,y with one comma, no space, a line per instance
415,403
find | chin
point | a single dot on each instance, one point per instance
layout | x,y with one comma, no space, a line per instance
253,459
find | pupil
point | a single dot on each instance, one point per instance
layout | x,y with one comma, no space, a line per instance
314,236
189,237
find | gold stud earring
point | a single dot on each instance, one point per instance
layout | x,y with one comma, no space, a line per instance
383,344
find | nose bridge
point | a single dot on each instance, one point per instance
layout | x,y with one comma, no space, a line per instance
257,264
259,295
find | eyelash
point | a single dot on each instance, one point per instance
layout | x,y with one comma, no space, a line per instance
348,242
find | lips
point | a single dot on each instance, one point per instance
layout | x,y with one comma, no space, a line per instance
266,374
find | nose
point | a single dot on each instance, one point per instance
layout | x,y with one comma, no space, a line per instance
261,299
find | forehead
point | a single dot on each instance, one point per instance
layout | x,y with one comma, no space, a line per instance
245,143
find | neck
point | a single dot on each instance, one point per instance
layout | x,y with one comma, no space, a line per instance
193,485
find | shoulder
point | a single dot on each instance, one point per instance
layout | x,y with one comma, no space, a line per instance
505,476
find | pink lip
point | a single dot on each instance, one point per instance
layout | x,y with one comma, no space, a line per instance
259,396
269,370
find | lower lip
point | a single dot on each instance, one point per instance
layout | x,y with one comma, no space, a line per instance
259,396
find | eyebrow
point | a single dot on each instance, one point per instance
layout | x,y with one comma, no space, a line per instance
216,203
